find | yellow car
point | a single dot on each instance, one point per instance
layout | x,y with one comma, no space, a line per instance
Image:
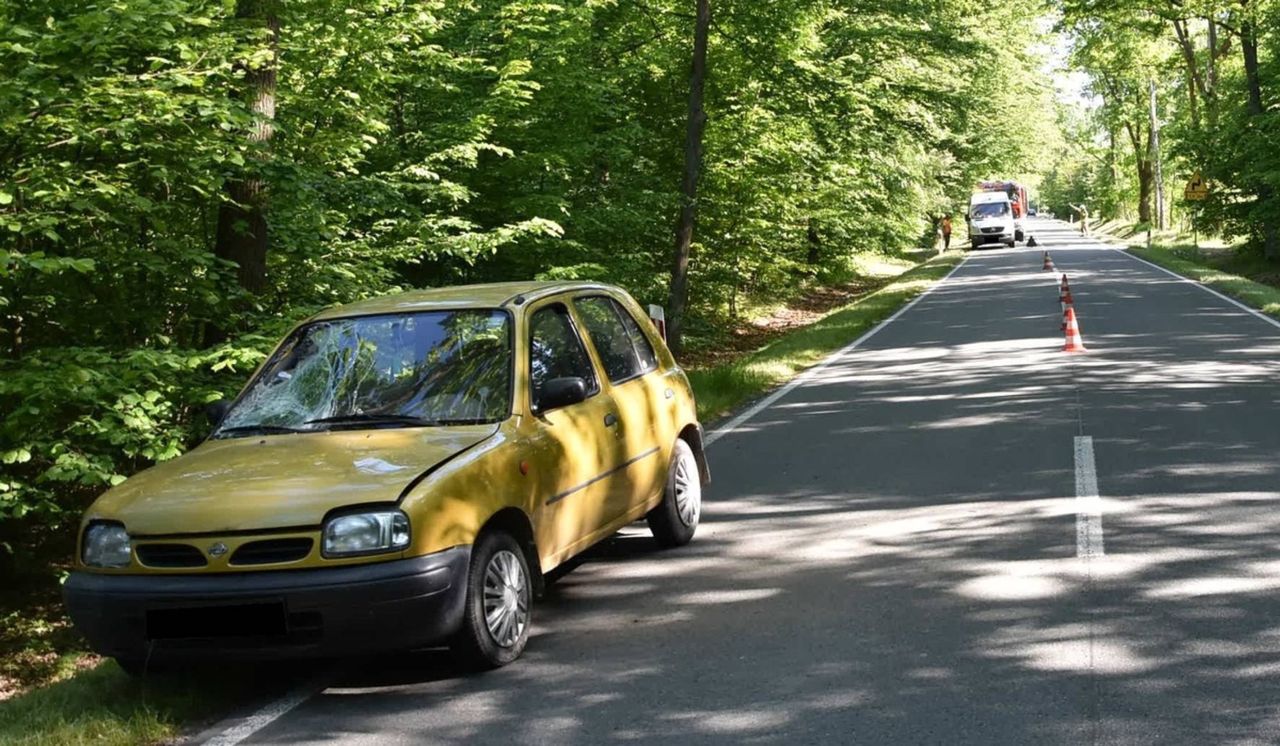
401,472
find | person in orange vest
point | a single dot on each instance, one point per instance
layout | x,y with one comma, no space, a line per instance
946,232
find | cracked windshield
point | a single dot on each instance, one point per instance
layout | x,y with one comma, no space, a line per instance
424,368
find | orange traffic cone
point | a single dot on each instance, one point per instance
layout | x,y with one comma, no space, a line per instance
1066,302
1074,341
1048,263
1064,287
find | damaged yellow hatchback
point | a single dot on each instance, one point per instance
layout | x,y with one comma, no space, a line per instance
401,472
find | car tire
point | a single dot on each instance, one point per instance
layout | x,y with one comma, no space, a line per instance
499,588
140,668
675,519
135,667
976,245
1011,244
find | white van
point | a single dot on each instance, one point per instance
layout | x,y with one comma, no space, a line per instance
991,219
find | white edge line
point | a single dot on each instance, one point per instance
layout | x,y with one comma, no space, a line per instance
733,424
233,730
1202,286
1088,502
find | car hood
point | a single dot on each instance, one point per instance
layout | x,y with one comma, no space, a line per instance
279,481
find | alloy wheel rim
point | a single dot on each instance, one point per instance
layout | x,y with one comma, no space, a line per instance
688,490
506,599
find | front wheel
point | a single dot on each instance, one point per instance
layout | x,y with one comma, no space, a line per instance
496,617
134,667
675,519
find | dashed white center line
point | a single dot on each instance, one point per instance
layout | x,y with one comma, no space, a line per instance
1088,502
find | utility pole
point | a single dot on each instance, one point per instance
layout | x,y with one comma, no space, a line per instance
1155,158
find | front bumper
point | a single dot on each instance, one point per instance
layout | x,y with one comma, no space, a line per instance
985,238
384,606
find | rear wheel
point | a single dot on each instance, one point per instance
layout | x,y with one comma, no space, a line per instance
497,614
674,521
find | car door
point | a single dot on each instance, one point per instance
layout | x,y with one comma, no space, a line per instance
628,362
573,448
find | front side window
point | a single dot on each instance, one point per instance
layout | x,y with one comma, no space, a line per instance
614,338
429,368
555,351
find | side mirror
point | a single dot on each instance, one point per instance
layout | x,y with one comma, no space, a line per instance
560,392
217,411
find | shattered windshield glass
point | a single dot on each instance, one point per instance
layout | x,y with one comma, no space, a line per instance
413,369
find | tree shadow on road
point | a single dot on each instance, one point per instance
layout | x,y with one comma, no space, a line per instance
889,553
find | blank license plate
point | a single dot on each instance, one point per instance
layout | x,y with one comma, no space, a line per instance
242,620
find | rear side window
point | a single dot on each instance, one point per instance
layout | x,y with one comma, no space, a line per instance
644,350
555,351
623,348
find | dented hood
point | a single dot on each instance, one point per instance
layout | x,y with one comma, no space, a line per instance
279,481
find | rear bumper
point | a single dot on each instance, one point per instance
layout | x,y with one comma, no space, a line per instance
337,611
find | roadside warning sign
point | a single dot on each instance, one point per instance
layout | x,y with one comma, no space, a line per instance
1197,189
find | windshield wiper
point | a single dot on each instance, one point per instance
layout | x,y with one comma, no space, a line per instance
372,419
259,429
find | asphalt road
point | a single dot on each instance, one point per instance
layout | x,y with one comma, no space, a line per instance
896,552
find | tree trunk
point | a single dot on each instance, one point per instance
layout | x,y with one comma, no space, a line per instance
1253,79
242,220
1195,85
1153,140
1211,76
689,187
1112,158
1249,46
815,243
1145,182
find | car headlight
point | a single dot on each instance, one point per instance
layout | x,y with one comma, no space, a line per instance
365,533
106,545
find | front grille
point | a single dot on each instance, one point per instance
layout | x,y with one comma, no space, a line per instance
170,555
271,551
997,229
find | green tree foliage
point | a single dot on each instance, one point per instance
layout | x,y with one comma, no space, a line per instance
426,142
1215,66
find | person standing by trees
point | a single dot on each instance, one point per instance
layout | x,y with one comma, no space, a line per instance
946,232
1084,218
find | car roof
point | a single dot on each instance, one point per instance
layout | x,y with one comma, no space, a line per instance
488,295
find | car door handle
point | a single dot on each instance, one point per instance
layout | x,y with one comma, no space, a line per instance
610,419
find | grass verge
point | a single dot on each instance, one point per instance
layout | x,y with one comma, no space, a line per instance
103,705
1191,263
722,388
